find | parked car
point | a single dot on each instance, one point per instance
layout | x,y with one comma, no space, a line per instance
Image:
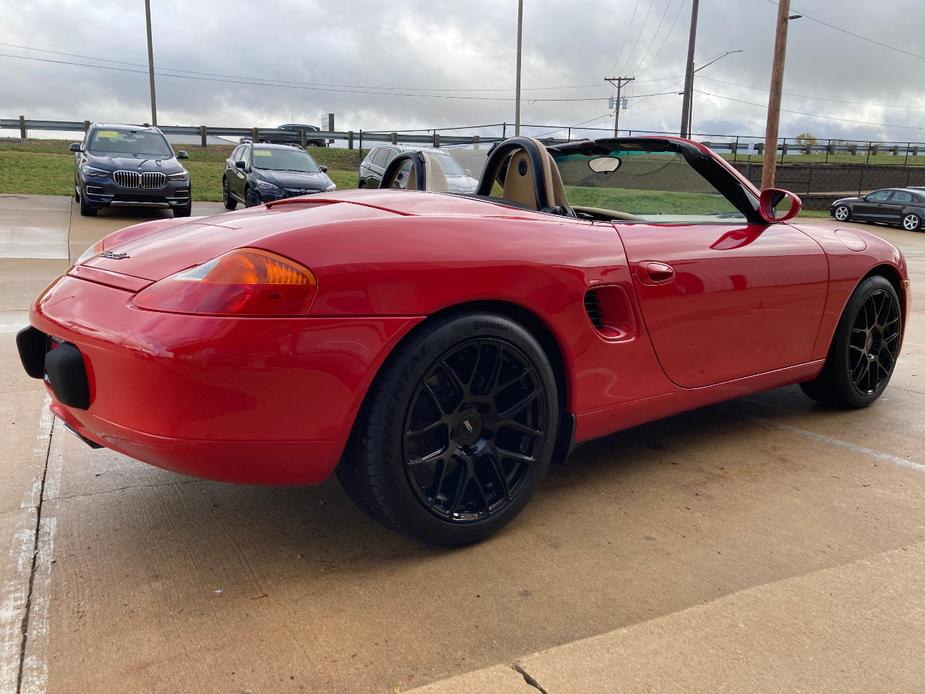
440,351
373,165
127,165
903,207
292,135
256,173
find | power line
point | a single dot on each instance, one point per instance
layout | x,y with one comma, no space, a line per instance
670,29
661,22
811,115
305,87
309,84
626,37
816,98
855,35
639,33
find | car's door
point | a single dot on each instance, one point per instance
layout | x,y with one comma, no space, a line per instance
722,294
871,206
240,175
724,301
893,208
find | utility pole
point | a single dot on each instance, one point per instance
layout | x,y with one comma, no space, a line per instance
151,63
689,72
520,31
769,170
619,83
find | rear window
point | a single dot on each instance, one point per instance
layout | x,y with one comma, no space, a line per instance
140,142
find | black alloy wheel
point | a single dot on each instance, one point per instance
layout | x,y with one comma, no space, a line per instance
874,343
457,431
229,202
864,349
473,429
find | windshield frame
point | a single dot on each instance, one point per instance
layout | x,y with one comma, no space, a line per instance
720,175
287,151
93,143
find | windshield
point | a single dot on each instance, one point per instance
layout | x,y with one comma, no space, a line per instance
643,185
129,142
287,159
450,166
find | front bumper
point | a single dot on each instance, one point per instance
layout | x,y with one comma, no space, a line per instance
255,400
103,191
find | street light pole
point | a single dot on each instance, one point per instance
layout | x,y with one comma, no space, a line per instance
769,170
151,63
690,108
689,72
520,27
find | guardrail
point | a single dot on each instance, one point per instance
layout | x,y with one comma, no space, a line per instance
738,146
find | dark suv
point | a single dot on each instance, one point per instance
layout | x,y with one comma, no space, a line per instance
130,166
258,173
372,167
292,135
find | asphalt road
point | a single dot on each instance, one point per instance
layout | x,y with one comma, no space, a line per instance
761,544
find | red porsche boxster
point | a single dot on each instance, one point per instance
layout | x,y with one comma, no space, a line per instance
439,351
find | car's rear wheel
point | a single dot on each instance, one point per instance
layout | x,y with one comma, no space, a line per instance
86,209
457,431
842,213
864,350
912,222
229,202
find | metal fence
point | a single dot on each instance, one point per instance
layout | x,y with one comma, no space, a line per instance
742,148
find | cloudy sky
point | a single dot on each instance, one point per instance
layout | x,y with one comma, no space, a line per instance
436,63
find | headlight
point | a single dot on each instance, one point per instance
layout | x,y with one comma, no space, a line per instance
330,188
182,176
266,185
93,171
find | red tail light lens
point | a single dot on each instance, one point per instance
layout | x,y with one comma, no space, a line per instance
244,282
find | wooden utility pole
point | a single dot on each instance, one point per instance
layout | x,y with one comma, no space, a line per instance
151,63
619,83
520,27
689,72
769,170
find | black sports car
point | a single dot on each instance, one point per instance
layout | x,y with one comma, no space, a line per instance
904,207
130,166
258,173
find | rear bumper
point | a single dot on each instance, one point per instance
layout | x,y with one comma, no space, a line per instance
262,401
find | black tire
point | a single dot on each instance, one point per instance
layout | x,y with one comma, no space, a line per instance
911,222
251,199
864,350
86,209
362,185
184,211
842,213
459,496
229,202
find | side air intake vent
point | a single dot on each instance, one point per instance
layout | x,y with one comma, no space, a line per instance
593,307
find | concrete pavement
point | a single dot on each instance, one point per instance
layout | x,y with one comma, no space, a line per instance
763,543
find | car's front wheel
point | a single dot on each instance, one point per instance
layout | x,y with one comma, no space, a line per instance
229,202
864,350
842,213
251,199
456,433
86,209
912,222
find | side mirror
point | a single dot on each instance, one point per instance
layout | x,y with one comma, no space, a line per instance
324,169
74,147
240,165
777,205
181,154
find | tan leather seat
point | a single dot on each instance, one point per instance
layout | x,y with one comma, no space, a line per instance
434,174
518,184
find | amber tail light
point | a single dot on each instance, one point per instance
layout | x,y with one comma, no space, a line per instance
244,282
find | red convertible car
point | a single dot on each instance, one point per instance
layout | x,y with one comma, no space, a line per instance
439,351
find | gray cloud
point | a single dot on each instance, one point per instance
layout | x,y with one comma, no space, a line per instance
442,45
